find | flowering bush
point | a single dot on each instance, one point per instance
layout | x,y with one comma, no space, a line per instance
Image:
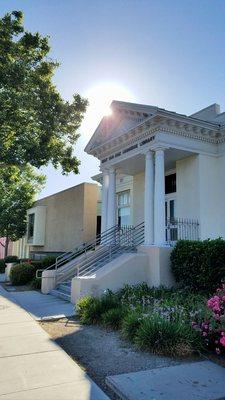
213,328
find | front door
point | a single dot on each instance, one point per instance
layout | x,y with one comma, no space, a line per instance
170,214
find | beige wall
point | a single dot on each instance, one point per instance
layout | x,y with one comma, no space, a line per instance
70,218
201,193
187,171
212,195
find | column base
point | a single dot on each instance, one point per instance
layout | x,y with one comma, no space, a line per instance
159,269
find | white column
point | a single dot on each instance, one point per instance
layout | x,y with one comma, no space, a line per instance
105,188
159,199
149,198
111,215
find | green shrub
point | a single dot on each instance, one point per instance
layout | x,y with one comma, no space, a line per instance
199,264
11,259
21,274
2,266
113,317
90,309
48,261
37,264
36,283
130,325
165,337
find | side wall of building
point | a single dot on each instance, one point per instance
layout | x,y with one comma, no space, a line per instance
70,218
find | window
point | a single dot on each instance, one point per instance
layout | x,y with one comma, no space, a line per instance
30,229
123,206
170,183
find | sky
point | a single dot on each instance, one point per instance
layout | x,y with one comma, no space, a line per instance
168,53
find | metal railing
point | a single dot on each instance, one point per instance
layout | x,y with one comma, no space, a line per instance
181,229
93,255
106,237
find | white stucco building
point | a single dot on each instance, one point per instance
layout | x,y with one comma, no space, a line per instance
177,165
162,174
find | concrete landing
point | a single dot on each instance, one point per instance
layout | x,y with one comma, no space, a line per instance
43,306
193,381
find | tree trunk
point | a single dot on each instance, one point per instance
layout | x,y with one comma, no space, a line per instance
6,246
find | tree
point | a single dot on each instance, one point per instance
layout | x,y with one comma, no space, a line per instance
18,187
36,125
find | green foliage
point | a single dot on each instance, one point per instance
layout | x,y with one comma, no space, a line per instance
37,125
130,325
90,309
21,274
113,317
155,319
2,266
36,283
48,261
165,337
37,264
199,264
11,259
18,187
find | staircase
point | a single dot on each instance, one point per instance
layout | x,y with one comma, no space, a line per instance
90,257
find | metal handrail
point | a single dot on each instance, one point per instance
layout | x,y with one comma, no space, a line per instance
104,253
61,260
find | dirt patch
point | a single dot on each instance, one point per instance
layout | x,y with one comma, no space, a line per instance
102,353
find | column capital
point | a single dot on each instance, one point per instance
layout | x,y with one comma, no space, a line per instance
112,170
159,147
148,153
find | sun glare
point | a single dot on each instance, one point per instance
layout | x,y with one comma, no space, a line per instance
100,97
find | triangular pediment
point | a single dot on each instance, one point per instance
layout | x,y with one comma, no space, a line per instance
124,117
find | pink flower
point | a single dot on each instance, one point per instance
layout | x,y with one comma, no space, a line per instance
222,340
217,350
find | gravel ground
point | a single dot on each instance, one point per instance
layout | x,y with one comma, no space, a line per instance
101,352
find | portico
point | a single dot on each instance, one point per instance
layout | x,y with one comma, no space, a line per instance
154,197
149,144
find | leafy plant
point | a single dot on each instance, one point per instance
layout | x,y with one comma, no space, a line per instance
21,274
130,325
212,329
37,125
36,283
2,266
37,264
11,259
48,261
18,187
90,309
114,317
165,337
199,264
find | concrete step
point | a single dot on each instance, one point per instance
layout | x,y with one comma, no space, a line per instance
60,294
63,287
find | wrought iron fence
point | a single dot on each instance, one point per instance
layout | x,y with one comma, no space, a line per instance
181,229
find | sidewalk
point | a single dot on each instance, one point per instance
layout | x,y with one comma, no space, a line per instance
32,366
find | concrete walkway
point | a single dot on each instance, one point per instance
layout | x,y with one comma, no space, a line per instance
202,380
32,366
40,306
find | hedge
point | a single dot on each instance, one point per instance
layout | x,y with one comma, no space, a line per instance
2,266
11,259
48,261
199,264
21,274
